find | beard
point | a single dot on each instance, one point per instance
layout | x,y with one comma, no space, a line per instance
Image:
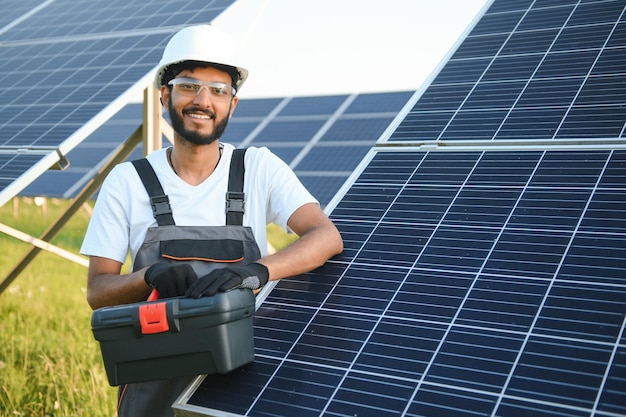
194,136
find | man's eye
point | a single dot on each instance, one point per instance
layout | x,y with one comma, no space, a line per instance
219,91
188,87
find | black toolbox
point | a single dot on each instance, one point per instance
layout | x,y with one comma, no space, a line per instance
174,337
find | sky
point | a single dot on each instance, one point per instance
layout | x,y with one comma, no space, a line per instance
322,47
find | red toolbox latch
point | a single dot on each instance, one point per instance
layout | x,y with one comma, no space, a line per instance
153,318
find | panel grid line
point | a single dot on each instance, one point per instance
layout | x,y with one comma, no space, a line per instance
547,292
282,360
571,105
380,317
531,77
594,409
480,78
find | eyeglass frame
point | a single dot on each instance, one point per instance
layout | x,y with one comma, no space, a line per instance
203,84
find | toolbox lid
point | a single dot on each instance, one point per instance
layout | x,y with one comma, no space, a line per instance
171,313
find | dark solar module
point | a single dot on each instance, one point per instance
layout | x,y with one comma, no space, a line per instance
68,60
555,64
334,141
452,288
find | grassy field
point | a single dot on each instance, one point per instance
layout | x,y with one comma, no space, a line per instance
50,364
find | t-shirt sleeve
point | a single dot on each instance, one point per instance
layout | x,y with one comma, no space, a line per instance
107,234
286,193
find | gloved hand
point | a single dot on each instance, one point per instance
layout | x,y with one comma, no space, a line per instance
170,280
252,276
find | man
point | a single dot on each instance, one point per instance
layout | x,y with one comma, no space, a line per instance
198,79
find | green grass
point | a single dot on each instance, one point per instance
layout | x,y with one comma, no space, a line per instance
50,364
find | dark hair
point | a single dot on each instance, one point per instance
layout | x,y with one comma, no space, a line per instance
173,70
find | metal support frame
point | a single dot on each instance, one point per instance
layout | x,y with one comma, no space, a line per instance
90,188
151,120
149,133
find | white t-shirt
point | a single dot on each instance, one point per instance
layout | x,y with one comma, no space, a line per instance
122,213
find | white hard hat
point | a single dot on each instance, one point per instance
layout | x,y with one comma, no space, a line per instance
203,43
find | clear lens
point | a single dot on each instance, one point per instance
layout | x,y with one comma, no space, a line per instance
192,87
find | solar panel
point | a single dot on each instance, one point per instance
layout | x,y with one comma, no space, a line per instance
323,138
482,273
472,283
71,66
322,145
530,70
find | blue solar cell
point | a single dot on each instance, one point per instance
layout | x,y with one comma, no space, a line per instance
618,37
581,38
601,91
14,10
494,95
290,130
382,102
443,97
508,68
597,312
609,62
310,106
494,22
461,70
363,129
332,158
238,130
473,125
593,122
549,17
548,93
610,401
571,378
256,108
433,402
423,126
286,153
480,46
537,41
596,12
323,187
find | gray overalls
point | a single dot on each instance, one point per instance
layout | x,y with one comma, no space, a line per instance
205,248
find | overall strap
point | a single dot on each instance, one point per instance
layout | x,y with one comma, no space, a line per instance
158,200
235,197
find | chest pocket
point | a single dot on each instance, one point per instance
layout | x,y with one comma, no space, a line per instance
203,247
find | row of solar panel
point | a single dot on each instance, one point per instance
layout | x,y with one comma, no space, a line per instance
342,129
472,283
554,72
66,61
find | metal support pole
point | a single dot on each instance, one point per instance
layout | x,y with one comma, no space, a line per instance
90,188
151,120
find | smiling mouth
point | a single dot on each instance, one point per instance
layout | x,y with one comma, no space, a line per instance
198,114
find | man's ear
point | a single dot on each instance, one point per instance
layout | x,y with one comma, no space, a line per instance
165,96
233,105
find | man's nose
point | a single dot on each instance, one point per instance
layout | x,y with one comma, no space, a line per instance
203,96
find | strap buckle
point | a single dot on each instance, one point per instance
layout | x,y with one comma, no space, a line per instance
235,202
160,205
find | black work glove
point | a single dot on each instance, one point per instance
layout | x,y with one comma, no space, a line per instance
170,280
252,276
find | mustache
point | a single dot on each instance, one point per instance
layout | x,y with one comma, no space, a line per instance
199,110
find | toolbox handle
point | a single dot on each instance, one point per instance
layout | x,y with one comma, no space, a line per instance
154,295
